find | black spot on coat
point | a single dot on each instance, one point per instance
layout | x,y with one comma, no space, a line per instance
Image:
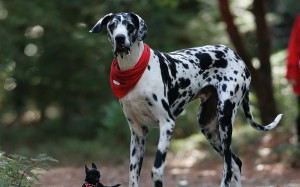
224,87
237,87
205,60
167,108
159,159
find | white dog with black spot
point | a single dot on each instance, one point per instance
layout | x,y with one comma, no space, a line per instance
154,88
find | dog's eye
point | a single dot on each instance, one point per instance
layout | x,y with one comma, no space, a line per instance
112,26
130,27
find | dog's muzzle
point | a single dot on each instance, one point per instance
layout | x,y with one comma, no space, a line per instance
121,46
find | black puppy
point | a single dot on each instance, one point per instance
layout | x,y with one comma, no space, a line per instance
92,178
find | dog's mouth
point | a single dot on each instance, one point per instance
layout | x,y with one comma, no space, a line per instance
121,50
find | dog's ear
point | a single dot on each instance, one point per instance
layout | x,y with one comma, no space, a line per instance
94,166
102,22
142,27
86,169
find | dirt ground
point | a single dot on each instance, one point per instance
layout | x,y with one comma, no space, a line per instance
180,171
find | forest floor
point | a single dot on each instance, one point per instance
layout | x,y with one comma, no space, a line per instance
181,170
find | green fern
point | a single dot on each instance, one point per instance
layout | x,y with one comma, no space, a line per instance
17,171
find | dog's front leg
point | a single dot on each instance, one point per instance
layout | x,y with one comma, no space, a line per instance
137,149
166,131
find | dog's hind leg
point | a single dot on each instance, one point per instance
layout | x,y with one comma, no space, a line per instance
209,126
237,166
226,113
137,149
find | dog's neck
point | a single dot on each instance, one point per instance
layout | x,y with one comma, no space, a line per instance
129,61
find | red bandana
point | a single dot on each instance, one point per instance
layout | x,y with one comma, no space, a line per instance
88,185
122,82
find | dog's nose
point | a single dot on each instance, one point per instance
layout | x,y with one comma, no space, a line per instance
120,39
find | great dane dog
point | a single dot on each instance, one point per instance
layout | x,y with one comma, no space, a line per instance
214,74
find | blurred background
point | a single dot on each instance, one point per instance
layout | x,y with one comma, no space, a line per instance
55,96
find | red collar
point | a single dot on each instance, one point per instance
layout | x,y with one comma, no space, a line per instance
122,82
88,185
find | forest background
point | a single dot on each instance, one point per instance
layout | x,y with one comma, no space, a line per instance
55,96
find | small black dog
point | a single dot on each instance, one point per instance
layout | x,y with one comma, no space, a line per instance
92,178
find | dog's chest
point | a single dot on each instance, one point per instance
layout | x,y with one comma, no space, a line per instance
138,110
141,105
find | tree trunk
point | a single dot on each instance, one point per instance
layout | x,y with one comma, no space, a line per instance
261,78
267,102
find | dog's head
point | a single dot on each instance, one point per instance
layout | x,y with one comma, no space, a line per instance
92,175
124,29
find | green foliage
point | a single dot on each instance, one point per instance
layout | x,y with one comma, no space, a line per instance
54,74
116,132
48,68
85,151
115,127
17,170
282,14
290,154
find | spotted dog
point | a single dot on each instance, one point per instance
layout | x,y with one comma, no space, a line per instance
213,74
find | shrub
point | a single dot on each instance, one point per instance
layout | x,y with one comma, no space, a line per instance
16,170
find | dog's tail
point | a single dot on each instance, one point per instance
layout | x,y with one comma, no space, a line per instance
250,119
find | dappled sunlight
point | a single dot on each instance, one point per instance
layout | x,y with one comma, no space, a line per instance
8,118
244,17
264,152
34,32
278,61
274,169
183,167
256,63
31,116
267,138
3,12
53,112
10,84
31,49
10,67
187,159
